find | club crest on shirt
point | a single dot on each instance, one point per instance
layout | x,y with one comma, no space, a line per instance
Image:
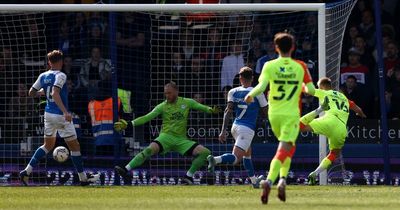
183,106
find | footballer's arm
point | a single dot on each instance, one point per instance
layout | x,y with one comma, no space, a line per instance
357,109
57,99
227,116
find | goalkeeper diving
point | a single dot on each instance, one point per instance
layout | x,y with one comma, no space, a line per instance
174,111
332,124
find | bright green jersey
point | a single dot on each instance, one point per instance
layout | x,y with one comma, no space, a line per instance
174,115
338,103
285,77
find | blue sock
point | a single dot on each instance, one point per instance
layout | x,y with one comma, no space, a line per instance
228,158
248,165
39,154
77,161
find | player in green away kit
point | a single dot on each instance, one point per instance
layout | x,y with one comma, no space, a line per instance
332,124
285,77
174,111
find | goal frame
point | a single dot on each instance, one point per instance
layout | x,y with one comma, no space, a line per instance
288,7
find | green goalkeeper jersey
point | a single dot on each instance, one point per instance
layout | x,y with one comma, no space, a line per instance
174,115
285,77
338,103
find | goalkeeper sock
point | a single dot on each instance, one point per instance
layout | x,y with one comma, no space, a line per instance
199,161
325,163
306,119
39,154
76,158
139,158
248,165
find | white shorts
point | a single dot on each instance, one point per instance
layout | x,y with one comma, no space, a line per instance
243,136
54,123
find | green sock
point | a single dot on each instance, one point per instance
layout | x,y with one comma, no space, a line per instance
285,167
199,161
325,163
140,158
274,168
306,119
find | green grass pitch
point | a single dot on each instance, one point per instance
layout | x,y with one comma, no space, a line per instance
197,197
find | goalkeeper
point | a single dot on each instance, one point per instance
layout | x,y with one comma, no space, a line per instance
174,111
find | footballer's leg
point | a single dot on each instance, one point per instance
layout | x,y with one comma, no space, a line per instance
40,152
76,158
325,164
154,148
199,152
248,165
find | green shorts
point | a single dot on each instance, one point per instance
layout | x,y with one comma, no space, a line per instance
285,128
331,127
170,143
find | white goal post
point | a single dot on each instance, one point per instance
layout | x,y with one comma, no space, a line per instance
320,8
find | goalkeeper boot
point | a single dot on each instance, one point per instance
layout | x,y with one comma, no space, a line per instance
312,178
282,189
260,178
266,186
187,180
91,178
124,173
211,163
24,177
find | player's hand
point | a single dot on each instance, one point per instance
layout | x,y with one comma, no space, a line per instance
68,117
120,125
215,110
222,137
248,99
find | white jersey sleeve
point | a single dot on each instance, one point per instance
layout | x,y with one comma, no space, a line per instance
60,80
230,95
37,85
262,100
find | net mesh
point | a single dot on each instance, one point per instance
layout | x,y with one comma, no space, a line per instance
202,53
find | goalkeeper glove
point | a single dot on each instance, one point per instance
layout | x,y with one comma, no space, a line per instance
215,110
120,125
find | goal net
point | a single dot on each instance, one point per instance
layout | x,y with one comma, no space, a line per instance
201,52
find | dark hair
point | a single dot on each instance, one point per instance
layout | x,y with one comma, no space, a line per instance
351,77
172,85
55,56
325,81
246,73
284,41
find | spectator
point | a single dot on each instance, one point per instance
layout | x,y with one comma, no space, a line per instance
270,55
366,57
349,39
393,87
357,93
256,50
196,79
98,39
308,53
95,69
392,57
79,33
367,28
96,18
214,49
20,105
71,72
187,45
354,68
64,38
231,64
178,67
